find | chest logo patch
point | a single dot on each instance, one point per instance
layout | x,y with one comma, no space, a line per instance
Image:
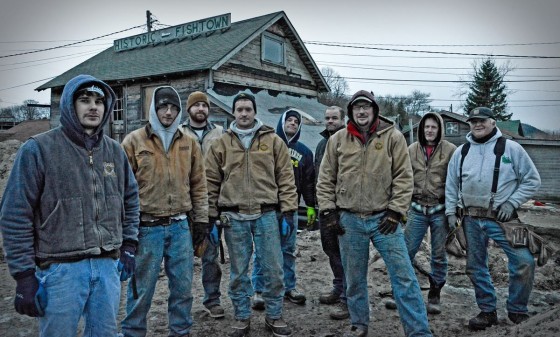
109,169
263,147
378,146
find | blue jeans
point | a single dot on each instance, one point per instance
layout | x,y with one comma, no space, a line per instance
416,228
521,266
171,244
240,236
332,249
288,245
88,287
354,249
211,275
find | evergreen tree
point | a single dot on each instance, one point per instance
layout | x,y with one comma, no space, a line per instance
488,89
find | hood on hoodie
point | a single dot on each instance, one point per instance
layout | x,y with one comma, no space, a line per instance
282,121
420,131
164,133
362,95
68,118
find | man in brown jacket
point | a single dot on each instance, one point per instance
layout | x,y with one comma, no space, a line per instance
205,132
169,168
363,190
250,177
429,156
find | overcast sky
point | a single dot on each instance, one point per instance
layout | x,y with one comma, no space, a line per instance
498,27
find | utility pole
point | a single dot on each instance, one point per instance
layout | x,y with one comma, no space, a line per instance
149,20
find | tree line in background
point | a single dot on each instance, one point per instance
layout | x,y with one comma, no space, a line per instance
486,87
24,112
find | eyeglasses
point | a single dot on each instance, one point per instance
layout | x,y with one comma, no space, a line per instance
357,107
165,107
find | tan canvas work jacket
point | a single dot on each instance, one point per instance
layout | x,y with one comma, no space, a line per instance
169,183
247,179
366,178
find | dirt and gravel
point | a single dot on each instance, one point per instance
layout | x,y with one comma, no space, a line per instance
314,277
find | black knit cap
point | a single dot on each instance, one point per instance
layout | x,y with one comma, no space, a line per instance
244,96
166,95
293,113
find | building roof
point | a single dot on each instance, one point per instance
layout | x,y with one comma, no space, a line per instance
185,55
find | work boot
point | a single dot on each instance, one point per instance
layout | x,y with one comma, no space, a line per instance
340,311
295,296
215,311
240,328
258,302
390,302
278,327
331,297
356,332
483,320
518,317
433,306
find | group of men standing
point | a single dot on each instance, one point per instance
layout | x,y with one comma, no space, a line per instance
173,192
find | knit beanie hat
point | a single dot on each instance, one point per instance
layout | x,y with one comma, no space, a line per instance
166,95
195,97
293,113
244,96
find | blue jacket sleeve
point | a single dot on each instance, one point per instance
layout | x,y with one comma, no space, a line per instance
131,204
20,199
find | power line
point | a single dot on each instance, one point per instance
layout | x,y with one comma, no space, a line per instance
69,44
435,73
444,81
438,45
433,52
23,85
418,67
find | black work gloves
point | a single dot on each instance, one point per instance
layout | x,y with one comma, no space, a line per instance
390,222
286,226
505,211
31,297
451,223
127,261
330,221
199,232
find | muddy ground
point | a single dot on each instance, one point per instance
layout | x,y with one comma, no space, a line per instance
314,277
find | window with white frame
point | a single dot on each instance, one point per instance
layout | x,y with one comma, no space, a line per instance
273,49
451,128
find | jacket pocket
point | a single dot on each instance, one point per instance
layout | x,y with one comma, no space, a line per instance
63,230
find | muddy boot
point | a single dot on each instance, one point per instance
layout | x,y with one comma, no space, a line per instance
278,327
517,318
240,328
433,306
390,303
340,311
483,320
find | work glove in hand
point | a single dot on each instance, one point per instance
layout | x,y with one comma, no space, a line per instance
127,261
214,235
199,232
390,222
26,291
330,221
505,211
287,224
311,216
451,223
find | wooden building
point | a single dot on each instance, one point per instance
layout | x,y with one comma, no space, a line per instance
263,55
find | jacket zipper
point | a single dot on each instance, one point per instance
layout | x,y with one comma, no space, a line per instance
90,154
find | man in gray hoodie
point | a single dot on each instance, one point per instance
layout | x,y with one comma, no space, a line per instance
471,191
69,210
